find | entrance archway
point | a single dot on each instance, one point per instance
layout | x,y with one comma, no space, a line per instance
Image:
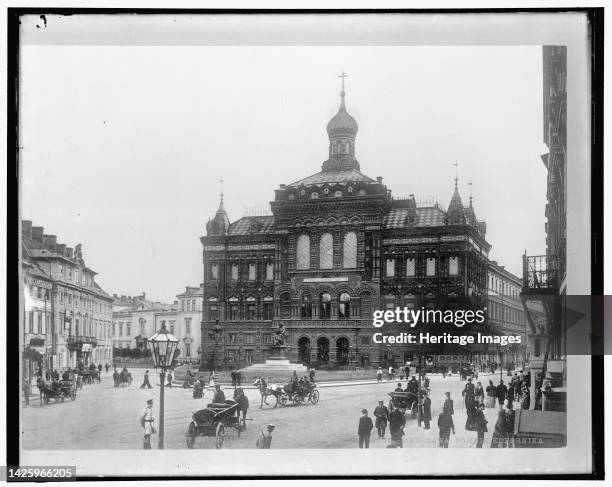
323,350
342,351
304,350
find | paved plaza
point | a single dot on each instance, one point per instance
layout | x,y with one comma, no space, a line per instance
105,417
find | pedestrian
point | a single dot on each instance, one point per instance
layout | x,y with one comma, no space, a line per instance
219,396
146,421
425,415
468,393
399,387
481,425
510,394
445,425
169,379
107,366
379,375
448,404
491,393
364,430
198,390
100,369
40,383
211,380
145,381
26,392
413,385
311,374
233,376
391,373
479,393
397,421
501,393
510,413
381,413
264,441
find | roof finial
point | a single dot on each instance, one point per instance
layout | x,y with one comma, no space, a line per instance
343,75
470,185
221,194
456,164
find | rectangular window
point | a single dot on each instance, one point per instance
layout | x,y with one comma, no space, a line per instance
187,350
251,272
69,269
268,311
234,275
193,305
410,267
214,271
187,326
61,271
248,355
390,268
213,312
269,271
232,337
248,339
234,311
172,327
431,266
128,329
453,266
39,322
251,311
267,338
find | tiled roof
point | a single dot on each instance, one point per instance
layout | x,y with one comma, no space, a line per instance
345,176
244,226
431,216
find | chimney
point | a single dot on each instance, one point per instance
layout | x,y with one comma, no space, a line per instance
61,249
37,234
69,252
50,242
379,179
26,228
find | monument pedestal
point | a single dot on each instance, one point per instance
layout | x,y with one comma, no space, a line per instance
278,362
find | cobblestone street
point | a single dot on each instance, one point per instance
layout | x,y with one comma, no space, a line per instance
105,417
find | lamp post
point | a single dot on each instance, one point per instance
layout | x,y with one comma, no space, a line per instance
164,344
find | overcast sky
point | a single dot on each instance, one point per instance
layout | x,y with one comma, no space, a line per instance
123,146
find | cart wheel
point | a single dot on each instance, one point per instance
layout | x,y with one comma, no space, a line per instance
297,399
314,397
220,436
283,399
191,434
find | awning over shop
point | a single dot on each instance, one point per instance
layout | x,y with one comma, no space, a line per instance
32,354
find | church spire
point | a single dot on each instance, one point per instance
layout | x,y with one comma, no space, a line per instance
455,214
342,130
220,223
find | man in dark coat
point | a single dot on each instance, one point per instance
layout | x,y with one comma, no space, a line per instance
145,381
501,393
399,387
481,425
381,413
468,393
413,385
219,396
425,411
364,429
448,404
397,420
446,425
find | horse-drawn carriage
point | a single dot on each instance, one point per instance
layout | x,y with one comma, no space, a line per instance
58,390
467,371
302,392
88,376
408,401
214,420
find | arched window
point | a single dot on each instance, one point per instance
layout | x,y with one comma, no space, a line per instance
325,306
349,260
303,252
344,308
306,306
285,303
390,268
326,251
213,309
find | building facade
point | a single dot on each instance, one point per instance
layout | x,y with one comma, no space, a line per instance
506,315
336,247
67,316
135,319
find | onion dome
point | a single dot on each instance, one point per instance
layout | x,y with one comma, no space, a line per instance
342,123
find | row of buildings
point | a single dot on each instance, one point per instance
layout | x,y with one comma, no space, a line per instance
66,315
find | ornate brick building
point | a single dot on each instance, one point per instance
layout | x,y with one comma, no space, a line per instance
336,247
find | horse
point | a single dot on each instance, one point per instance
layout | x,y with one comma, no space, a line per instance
243,402
263,389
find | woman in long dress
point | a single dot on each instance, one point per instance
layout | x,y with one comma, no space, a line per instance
491,393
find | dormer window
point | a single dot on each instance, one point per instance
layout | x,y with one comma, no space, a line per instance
314,195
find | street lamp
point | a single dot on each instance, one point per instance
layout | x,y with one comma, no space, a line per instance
164,344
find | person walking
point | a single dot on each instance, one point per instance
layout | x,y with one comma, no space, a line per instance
397,421
445,425
106,367
491,394
501,393
448,404
425,411
381,413
364,429
146,421
198,390
479,393
391,373
169,379
264,441
311,374
145,381
481,425
379,375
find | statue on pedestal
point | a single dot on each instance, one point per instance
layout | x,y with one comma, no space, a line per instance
280,336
